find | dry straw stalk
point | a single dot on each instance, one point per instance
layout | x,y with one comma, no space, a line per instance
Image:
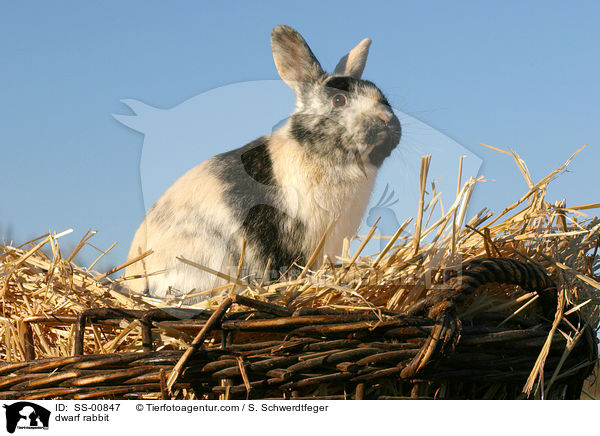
561,239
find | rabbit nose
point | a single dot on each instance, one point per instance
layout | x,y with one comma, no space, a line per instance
384,117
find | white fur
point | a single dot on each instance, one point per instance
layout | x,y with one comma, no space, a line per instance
200,191
326,193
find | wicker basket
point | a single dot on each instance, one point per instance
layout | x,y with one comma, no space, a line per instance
270,352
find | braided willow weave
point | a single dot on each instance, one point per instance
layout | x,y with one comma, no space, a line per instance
274,352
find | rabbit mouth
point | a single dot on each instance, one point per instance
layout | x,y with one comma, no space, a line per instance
388,136
376,137
383,141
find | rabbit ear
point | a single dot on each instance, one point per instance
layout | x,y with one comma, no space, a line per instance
295,62
354,62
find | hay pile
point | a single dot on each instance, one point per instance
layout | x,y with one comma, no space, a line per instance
42,295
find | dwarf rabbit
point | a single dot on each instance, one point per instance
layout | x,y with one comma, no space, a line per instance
280,192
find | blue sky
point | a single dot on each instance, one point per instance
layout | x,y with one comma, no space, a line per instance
519,74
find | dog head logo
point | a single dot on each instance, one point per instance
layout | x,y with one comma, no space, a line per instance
24,414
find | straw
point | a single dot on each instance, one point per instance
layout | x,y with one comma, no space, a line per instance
558,238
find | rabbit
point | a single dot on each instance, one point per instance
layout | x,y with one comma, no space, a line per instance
280,192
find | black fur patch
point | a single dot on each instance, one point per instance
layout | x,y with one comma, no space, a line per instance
257,162
326,138
382,151
251,191
250,160
303,134
342,83
247,173
275,234
350,85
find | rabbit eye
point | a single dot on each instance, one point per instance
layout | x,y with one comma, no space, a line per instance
339,100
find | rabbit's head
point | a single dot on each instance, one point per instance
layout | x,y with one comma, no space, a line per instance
339,116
